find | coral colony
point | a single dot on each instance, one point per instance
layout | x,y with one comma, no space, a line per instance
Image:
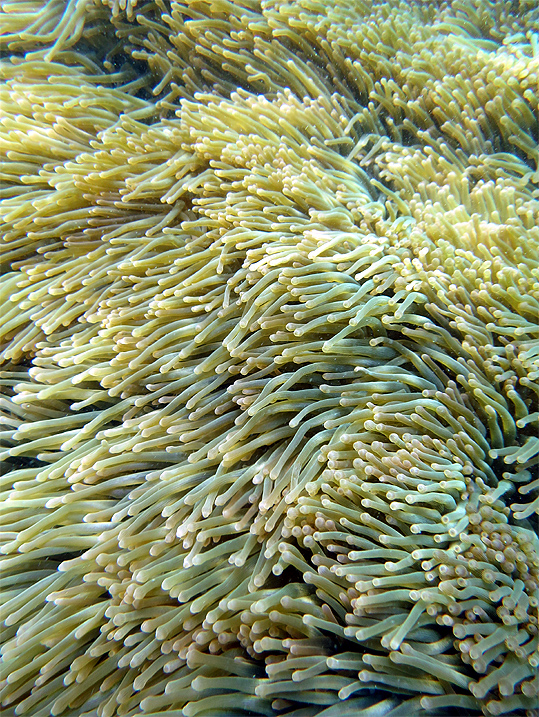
270,357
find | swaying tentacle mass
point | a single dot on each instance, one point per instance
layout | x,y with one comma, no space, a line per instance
270,357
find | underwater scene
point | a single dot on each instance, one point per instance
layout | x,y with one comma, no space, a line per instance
269,358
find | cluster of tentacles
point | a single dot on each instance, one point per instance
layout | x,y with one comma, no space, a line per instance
270,358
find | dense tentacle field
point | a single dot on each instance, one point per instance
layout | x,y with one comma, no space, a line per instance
269,348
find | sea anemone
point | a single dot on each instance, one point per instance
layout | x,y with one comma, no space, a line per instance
270,358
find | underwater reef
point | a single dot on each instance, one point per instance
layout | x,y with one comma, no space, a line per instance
269,348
